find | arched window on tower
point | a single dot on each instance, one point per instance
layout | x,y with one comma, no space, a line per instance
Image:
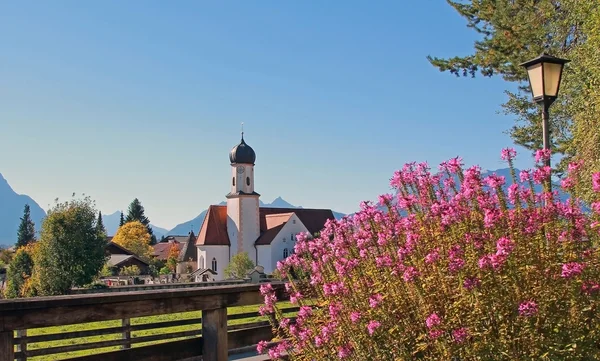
248,181
233,181
285,253
201,263
214,265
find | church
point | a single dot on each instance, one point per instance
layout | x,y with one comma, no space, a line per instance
266,234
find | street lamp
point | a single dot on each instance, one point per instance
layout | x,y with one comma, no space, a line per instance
545,73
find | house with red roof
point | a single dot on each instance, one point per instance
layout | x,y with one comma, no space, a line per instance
268,235
186,245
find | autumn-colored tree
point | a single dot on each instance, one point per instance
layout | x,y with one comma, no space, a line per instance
134,237
173,257
19,272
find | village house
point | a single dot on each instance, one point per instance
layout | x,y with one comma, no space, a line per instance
121,257
186,246
268,235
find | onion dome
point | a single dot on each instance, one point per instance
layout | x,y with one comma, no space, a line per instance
242,153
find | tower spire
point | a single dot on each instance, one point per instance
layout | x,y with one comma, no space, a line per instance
242,131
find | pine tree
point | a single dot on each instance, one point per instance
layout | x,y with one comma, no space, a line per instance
26,232
136,213
511,32
100,224
122,220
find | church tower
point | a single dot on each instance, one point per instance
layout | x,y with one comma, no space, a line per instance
243,225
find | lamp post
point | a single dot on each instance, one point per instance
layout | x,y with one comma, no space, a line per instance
545,73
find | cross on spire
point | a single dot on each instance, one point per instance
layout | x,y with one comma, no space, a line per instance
242,130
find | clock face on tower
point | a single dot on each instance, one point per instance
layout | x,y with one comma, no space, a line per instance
240,170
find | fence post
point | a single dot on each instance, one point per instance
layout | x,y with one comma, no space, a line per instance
126,335
214,335
7,349
22,345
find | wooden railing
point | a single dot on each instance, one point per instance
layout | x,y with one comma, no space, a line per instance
212,339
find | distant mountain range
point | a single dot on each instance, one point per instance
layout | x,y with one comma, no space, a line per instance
11,210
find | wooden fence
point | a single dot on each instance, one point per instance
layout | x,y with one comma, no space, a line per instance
212,340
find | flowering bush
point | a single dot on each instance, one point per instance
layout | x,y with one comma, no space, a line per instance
453,266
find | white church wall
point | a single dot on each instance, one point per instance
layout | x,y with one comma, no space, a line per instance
220,254
250,227
264,258
285,240
233,220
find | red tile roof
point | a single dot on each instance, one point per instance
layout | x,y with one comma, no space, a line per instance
161,250
214,228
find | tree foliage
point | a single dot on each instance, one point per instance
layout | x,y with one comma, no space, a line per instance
239,266
26,232
513,31
71,250
134,237
121,220
100,224
136,212
132,270
19,272
173,257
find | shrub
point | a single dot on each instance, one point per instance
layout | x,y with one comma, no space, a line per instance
132,270
453,266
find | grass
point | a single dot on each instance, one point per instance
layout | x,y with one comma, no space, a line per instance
134,321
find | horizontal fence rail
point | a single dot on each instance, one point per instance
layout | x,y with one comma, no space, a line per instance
214,335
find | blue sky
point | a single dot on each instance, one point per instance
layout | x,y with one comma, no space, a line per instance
124,99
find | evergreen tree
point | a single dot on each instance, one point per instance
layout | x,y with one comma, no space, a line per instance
136,213
100,224
513,31
121,220
26,232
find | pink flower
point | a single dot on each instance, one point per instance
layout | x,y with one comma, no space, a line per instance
375,300
433,320
508,154
355,316
262,347
385,199
432,256
596,182
571,269
524,176
574,167
567,183
372,326
433,334
460,334
410,274
590,287
345,351
494,180
541,174
504,246
528,309
470,283
542,155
